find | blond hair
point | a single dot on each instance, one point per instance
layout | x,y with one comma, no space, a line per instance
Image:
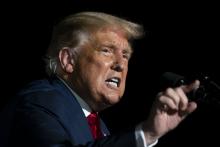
71,31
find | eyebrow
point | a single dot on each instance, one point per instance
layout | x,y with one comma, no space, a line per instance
110,45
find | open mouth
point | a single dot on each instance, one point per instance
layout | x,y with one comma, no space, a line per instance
113,82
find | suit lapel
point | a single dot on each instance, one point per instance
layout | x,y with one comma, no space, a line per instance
104,129
73,119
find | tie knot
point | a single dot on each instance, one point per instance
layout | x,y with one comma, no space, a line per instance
93,118
93,115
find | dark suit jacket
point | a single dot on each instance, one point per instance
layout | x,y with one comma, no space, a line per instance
46,114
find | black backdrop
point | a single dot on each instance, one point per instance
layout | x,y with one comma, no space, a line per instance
180,37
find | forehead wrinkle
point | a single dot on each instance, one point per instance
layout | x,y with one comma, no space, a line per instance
113,41
114,46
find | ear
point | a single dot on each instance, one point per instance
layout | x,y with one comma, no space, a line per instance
66,60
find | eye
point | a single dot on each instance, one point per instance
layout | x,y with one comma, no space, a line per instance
126,55
106,51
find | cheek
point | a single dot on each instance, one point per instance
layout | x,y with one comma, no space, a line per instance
100,66
91,66
96,72
124,74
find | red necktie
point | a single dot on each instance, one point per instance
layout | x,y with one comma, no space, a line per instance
94,124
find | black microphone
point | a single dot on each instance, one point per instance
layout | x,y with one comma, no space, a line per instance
208,91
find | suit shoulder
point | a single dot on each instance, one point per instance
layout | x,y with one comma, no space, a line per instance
45,94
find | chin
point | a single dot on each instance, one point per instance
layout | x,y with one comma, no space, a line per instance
108,102
113,100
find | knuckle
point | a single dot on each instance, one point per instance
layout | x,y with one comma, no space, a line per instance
168,91
178,90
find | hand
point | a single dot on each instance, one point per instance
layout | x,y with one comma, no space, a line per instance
169,109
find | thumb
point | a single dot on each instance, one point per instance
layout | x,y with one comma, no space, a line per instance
193,86
191,107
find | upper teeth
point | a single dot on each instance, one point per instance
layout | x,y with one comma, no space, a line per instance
114,82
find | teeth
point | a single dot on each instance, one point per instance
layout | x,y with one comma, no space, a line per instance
114,80
113,84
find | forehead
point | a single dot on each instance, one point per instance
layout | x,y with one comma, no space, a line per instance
112,37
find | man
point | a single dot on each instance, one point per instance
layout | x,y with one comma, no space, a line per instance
87,65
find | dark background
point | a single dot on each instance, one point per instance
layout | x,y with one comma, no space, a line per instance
180,37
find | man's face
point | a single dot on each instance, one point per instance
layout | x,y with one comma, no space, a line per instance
102,68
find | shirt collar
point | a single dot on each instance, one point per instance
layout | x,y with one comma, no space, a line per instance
85,107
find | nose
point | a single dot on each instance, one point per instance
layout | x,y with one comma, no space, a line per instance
117,67
118,64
